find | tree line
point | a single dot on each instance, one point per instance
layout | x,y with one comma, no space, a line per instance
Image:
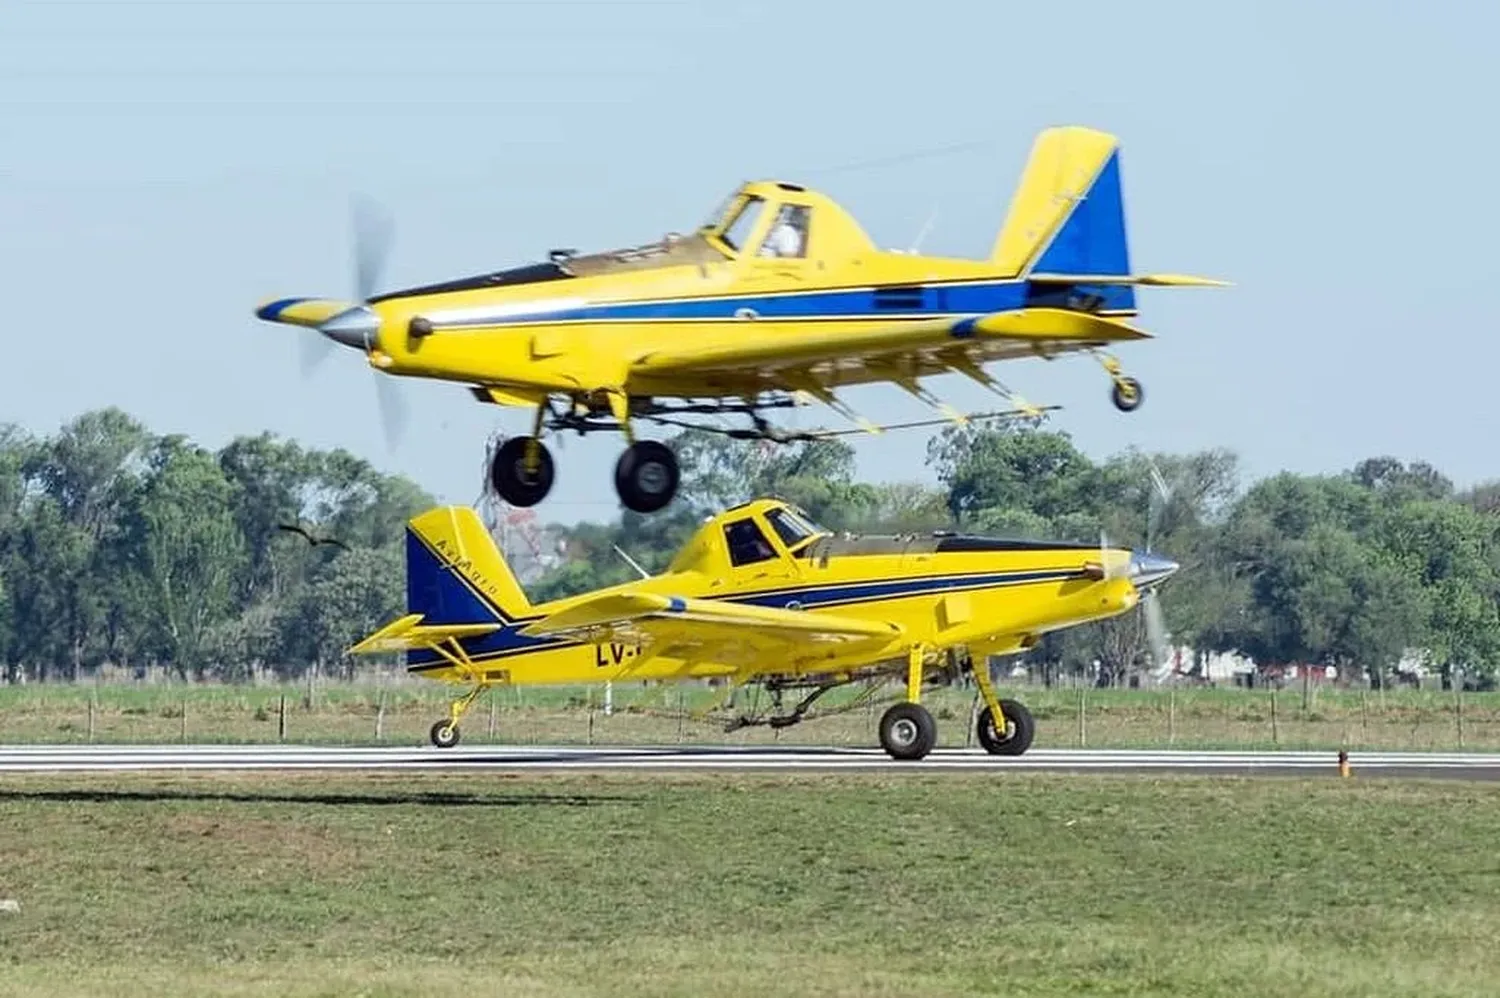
122,547
1361,570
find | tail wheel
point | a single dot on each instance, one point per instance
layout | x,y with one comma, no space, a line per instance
515,483
444,734
907,731
1020,729
646,476
1127,394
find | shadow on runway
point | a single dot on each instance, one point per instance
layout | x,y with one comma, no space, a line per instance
373,799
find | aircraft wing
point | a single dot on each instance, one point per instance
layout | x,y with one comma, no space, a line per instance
911,349
709,628
409,632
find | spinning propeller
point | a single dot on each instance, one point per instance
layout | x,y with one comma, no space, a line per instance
357,327
1156,626
1147,571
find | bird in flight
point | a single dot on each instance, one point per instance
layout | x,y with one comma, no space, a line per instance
298,529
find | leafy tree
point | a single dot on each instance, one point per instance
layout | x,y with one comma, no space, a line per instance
267,478
987,467
356,592
189,549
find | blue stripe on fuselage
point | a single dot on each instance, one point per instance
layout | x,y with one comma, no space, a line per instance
934,301
507,641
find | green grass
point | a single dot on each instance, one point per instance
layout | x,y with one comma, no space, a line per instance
902,884
345,713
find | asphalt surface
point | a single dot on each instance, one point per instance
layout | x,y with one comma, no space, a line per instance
509,759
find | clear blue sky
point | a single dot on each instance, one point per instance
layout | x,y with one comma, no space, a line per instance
167,165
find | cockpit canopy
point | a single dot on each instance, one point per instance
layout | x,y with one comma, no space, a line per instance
764,219
737,228
757,531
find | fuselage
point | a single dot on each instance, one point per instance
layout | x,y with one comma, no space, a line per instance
992,596
578,323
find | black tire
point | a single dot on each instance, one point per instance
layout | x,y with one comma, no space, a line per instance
907,731
646,476
444,735
508,473
1127,395
1020,729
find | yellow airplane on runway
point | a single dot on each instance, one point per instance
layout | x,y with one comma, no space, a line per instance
779,298
762,595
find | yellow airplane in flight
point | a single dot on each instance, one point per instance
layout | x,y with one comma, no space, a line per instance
778,299
762,595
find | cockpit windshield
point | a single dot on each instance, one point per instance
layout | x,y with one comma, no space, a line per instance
792,526
738,228
721,214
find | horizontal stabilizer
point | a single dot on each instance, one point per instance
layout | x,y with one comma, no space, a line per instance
409,632
1155,280
1050,324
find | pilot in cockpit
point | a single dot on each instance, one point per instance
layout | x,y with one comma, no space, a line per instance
788,235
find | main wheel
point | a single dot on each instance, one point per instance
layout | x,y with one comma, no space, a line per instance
1020,729
510,478
907,731
1127,395
646,476
444,735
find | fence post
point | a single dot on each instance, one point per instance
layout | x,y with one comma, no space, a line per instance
493,705
380,718
1275,732
1083,692
93,703
1364,718
1458,707
281,720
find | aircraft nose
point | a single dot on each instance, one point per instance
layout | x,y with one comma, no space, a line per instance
356,327
1147,570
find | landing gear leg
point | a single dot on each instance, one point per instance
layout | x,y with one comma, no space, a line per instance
444,734
1004,727
1127,393
646,475
907,730
522,470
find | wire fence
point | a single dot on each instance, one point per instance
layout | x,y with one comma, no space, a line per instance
401,712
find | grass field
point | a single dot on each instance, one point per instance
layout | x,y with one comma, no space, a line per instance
908,884
400,713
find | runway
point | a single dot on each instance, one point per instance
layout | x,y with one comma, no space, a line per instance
544,758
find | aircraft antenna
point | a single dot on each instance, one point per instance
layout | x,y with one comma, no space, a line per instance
631,562
922,233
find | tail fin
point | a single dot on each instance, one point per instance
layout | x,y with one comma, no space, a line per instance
455,574
1066,222
457,587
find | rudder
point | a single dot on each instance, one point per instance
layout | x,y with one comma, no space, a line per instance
455,574
1067,216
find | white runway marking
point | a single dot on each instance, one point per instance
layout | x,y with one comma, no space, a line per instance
520,758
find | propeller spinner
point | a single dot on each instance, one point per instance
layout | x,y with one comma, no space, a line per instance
355,326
